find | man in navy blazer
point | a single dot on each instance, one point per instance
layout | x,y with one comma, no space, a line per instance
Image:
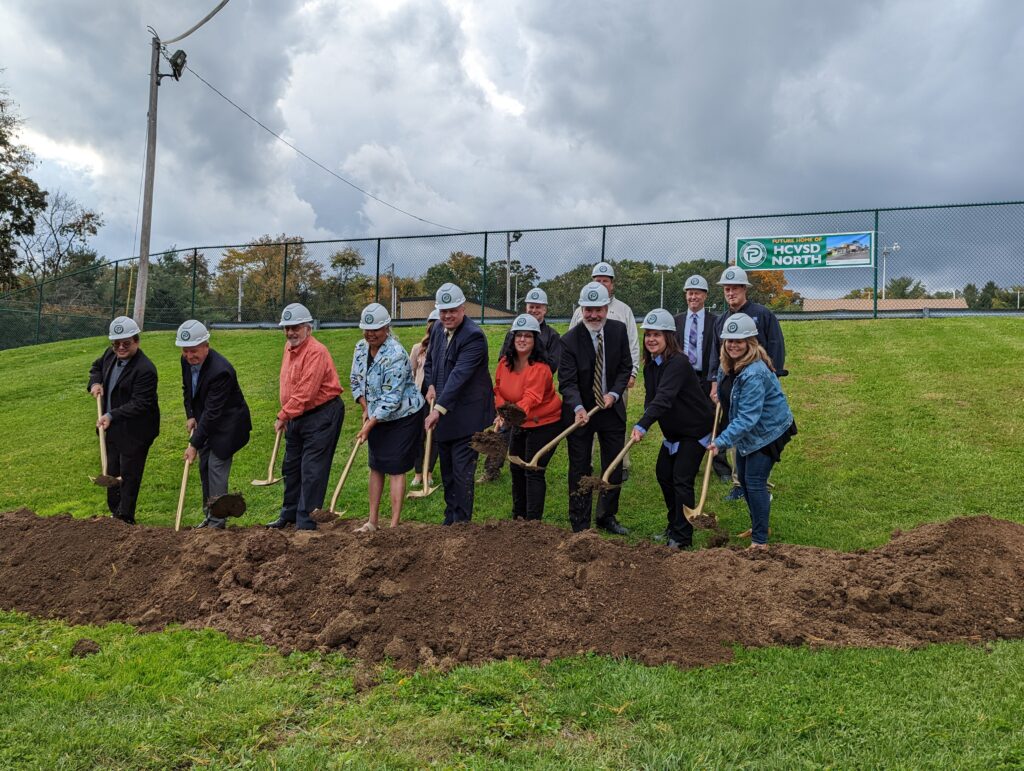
697,324
459,388
125,380
216,413
595,369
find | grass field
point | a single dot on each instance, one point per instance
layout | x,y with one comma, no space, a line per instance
901,422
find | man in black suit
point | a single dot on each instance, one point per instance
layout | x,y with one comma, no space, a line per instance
216,414
125,379
459,387
696,330
595,369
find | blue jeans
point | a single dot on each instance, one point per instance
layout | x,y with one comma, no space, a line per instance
753,471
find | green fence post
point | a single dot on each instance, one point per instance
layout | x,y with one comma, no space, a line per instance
284,278
39,313
874,259
376,285
113,296
604,232
728,231
483,285
195,259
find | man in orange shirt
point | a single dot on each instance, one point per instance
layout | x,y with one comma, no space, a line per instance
311,416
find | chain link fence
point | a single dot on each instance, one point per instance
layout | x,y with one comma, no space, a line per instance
933,260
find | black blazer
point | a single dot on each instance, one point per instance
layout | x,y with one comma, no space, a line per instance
134,410
222,416
461,378
676,400
707,339
576,369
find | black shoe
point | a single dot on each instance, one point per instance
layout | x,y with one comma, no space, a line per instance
280,524
204,523
678,545
612,526
217,524
625,474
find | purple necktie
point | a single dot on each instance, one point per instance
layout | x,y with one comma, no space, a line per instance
691,342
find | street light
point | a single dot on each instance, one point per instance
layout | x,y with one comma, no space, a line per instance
510,238
662,271
177,67
886,251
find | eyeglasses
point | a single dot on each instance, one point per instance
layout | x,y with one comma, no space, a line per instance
126,343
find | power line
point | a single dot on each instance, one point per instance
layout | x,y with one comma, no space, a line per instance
314,161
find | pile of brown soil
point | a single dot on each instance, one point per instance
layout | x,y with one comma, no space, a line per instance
429,595
489,443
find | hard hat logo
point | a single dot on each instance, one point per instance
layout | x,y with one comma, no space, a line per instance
520,322
446,298
592,294
186,336
368,318
118,330
694,281
652,318
730,275
287,316
732,327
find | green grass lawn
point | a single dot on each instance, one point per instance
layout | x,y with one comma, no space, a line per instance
901,422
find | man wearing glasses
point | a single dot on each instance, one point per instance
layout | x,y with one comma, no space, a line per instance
125,380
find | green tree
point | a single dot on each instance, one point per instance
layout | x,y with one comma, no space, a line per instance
971,295
904,288
464,270
347,289
21,199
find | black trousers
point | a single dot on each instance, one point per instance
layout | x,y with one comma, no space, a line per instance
458,468
309,444
720,464
122,498
676,476
610,433
529,488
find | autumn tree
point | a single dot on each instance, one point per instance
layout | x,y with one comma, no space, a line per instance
769,289
63,228
346,289
21,199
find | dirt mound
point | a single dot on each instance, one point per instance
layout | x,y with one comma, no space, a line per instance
428,595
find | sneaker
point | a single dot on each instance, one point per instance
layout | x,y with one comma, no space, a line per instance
416,483
736,494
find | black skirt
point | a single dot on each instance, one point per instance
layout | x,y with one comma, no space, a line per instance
394,445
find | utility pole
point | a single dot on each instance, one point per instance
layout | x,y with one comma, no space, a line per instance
177,67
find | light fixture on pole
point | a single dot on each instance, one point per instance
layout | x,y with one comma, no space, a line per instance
662,271
886,251
510,238
177,61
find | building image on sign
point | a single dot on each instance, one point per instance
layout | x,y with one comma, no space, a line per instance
848,249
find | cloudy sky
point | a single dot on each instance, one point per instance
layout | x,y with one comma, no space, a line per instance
516,114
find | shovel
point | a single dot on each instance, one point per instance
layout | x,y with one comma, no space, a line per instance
181,494
697,517
271,479
104,479
534,463
602,484
426,489
341,482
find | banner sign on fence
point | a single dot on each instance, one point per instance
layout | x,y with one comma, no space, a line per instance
825,250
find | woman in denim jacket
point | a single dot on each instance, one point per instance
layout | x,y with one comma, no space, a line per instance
760,421
383,384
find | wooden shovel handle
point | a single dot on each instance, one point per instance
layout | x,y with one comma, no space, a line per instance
540,453
103,434
344,473
427,447
707,468
617,460
181,493
273,455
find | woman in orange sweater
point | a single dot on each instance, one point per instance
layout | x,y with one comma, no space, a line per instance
525,379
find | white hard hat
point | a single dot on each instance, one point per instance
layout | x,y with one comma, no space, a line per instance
697,282
603,269
661,319
449,296
739,326
295,313
122,328
374,316
734,275
594,295
525,323
191,333
434,315
537,296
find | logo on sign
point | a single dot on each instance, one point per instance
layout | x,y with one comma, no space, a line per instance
592,294
732,326
754,253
